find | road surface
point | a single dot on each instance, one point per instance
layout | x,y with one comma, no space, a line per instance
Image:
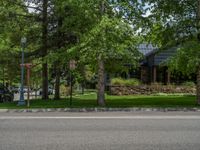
100,131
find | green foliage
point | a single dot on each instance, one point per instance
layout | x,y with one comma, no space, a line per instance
76,30
171,22
187,58
64,90
12,27
75,19
189,84
125,82
112,40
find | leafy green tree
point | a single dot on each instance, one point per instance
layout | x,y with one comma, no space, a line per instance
55,28
10,33
175,23
187,61
72,19
110,39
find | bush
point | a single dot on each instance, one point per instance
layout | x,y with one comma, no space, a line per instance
125,82
188,83
64,90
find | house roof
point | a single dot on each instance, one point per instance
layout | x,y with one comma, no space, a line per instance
157,56
146,49
163,55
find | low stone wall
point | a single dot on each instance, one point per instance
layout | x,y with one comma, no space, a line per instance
150,89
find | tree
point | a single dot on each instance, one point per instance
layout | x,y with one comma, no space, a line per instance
101,70
11,31
44,49
113,39
54,28
72,19
110,38
30,24
175,23
187,61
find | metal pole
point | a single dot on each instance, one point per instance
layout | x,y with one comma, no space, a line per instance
21,100
70,88
28,84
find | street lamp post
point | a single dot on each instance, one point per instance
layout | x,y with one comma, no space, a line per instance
28,68
21,100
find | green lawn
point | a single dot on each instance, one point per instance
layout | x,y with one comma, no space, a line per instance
89,100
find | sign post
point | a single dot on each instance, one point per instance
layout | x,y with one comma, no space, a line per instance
28,67
72,66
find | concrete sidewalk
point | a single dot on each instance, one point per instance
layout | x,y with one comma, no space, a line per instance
134,109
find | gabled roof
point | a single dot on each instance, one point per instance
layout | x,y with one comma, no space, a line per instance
163,55
157,56
147,49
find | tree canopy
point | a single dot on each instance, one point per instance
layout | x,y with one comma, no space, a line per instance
58,31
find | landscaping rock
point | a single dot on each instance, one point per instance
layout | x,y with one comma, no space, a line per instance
150,89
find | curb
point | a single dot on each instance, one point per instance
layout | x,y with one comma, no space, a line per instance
134,109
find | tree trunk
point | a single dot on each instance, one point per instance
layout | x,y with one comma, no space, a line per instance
57,63
101,71
101,84
44,81
198,86
57,84
198,70
44,46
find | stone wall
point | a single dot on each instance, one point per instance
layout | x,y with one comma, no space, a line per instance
150,89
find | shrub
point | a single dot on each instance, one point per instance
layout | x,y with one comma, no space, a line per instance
64,90
188,83
125,82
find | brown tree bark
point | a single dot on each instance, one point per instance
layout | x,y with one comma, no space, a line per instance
101,71
44,53
57,63
198,69
101,83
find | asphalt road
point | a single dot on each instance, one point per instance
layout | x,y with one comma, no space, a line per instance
100,131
